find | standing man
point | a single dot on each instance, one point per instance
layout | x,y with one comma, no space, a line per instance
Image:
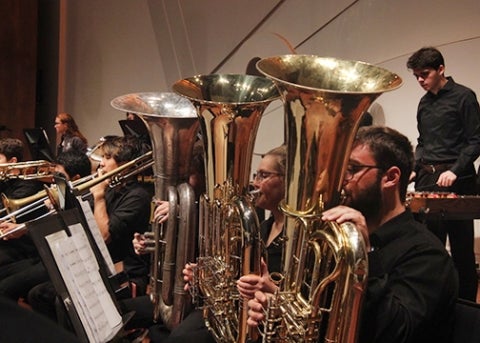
448,122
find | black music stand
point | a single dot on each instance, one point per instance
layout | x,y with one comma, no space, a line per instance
38,144
45,226
136,128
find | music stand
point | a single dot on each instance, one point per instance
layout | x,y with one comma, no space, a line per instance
38,144
45,226
136,128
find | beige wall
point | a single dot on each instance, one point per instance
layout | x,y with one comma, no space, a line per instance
122,46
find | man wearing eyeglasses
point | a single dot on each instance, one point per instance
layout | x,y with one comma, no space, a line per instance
448,122
412,283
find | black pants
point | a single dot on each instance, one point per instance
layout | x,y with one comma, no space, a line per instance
460,232
22,325
28,274
191,329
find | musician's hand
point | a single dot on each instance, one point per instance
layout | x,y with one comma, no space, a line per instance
161,211
342,214
188,275
98,191
7,227
138,242
446,179
248,284
256,308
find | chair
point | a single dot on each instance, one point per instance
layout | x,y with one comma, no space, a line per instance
467,322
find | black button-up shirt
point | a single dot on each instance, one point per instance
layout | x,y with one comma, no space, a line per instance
412,285
449,127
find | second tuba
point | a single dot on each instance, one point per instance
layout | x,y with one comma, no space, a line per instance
230,108
173,126
324,265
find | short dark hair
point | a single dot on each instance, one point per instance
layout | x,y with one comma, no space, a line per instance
75,163
12,147
124,148
389,148
427,57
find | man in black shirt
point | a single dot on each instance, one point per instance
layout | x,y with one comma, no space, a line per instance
11,151
448,122
412,284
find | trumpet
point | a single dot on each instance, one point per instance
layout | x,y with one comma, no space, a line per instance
30,170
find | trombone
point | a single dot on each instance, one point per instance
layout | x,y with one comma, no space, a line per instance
20,207
30,170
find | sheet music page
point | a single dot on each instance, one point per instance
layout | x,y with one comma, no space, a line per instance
97,236
78,267
109,308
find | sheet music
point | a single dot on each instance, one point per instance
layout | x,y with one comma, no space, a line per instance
80,272
97,236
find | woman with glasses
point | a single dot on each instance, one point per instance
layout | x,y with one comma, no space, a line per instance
269,185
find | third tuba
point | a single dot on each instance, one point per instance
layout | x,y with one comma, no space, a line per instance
229,108
324,265
173,126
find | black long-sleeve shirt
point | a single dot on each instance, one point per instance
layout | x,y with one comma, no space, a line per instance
128,209
449,127
412,286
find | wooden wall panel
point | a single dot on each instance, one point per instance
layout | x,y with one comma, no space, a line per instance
18,66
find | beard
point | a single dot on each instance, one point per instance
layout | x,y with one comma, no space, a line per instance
369,202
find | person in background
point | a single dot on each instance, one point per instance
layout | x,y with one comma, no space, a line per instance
448,123
412,284
68,134
132,116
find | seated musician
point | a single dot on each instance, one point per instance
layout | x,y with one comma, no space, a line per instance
269,180
19,277
11,151
119,212
412,283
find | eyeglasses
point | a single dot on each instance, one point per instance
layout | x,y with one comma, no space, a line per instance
262,175
353,169
58,123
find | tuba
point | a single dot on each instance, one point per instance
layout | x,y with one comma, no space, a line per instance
324,265
173,126
230,108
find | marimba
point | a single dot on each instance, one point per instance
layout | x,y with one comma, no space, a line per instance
444,205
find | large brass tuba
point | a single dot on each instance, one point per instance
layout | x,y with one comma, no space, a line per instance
324,266
229,108
173,126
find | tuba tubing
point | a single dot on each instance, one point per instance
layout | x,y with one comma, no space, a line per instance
173,126
229,108
324,265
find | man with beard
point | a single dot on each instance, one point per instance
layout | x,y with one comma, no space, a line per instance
412,283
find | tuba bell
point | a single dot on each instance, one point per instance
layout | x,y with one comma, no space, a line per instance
324,264
173,126
230,108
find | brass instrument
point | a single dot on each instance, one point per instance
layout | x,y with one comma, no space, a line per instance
116,176
30,170
324,265
18,207
229,108
173,126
